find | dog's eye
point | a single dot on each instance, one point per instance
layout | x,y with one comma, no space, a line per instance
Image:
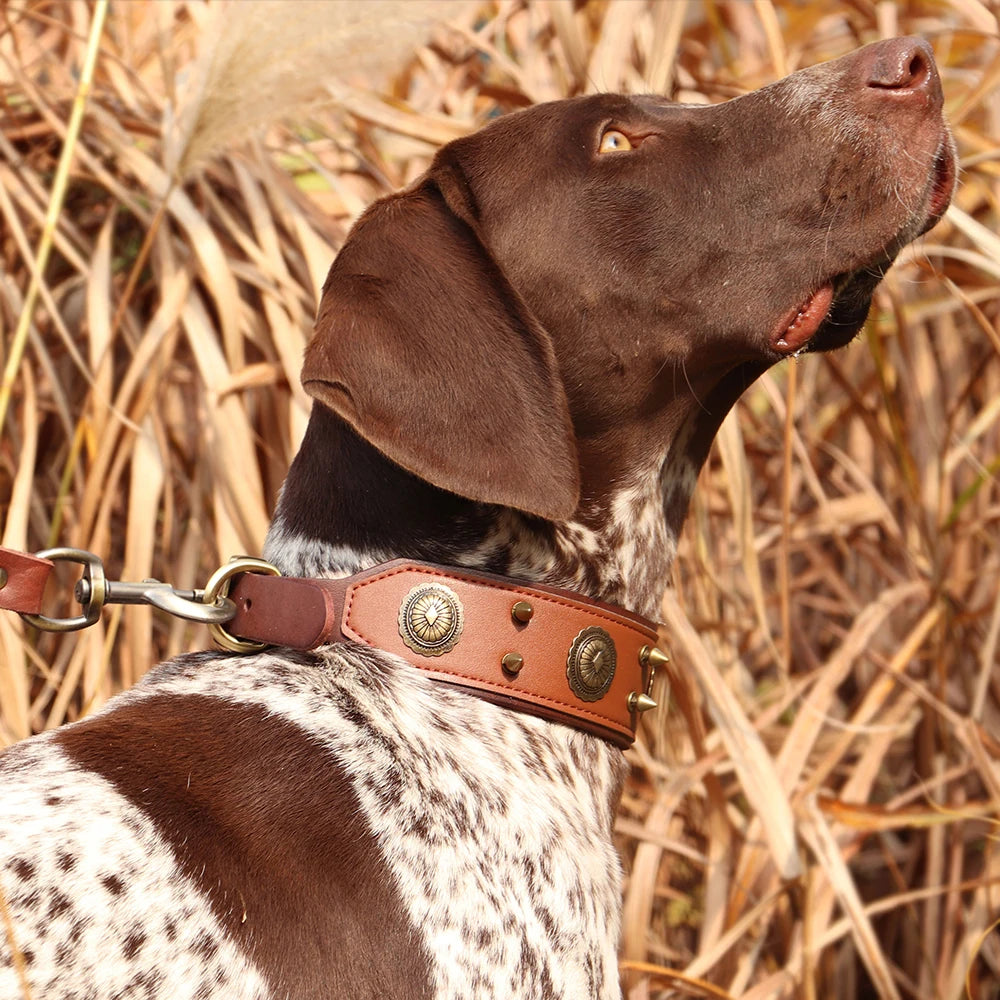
614,141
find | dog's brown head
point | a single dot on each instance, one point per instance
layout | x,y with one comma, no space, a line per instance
571,288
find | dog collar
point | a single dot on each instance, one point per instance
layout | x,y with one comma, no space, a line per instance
535,649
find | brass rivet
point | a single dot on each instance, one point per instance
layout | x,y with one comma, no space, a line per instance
640,702
3,578
521,612
512,663
653,656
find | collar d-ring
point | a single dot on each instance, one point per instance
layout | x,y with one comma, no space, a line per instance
218,587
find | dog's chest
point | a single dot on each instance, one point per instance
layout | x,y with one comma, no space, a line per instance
496,829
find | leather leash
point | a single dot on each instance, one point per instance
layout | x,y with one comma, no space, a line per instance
536,649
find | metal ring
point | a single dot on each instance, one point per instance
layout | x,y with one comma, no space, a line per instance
218,588
93,573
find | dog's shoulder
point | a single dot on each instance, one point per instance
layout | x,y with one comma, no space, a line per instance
93,894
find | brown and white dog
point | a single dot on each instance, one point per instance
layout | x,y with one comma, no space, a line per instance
519,364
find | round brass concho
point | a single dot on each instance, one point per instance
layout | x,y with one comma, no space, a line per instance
590,666
431,619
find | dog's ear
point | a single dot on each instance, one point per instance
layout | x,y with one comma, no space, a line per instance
423,347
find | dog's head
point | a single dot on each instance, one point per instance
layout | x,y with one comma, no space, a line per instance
563,288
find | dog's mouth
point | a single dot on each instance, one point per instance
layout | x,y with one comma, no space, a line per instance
800,325
833,313
831,316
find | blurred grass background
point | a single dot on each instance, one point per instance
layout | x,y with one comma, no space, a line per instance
816,811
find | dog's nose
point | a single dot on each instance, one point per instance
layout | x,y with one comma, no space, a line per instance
904,68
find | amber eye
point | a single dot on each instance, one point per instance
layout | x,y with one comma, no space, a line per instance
614,141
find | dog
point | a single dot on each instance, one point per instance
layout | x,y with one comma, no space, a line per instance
518,366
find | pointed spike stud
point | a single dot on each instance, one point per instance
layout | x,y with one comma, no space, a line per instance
640,702
521,612
656,658
512,663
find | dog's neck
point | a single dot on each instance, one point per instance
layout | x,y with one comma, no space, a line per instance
344,508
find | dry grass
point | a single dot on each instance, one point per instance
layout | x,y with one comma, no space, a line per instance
817,813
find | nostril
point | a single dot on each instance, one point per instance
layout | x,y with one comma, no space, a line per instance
907,66
916,73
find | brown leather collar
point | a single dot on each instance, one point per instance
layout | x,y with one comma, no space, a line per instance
535,649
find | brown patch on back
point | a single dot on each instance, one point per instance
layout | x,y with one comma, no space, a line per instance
265,822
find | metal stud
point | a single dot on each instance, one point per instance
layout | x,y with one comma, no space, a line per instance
640,702
656,658
512,663
521,612
591,663
431,619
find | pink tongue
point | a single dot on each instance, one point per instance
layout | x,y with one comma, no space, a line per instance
805,322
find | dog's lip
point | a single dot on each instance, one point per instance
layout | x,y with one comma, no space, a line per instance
799,325
943,181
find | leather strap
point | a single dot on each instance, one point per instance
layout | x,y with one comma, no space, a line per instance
22,581
562,668
366,608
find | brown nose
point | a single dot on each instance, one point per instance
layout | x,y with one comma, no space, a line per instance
903,67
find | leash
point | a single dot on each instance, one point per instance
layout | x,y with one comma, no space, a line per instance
537,649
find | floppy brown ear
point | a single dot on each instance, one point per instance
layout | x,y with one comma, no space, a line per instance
426,350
